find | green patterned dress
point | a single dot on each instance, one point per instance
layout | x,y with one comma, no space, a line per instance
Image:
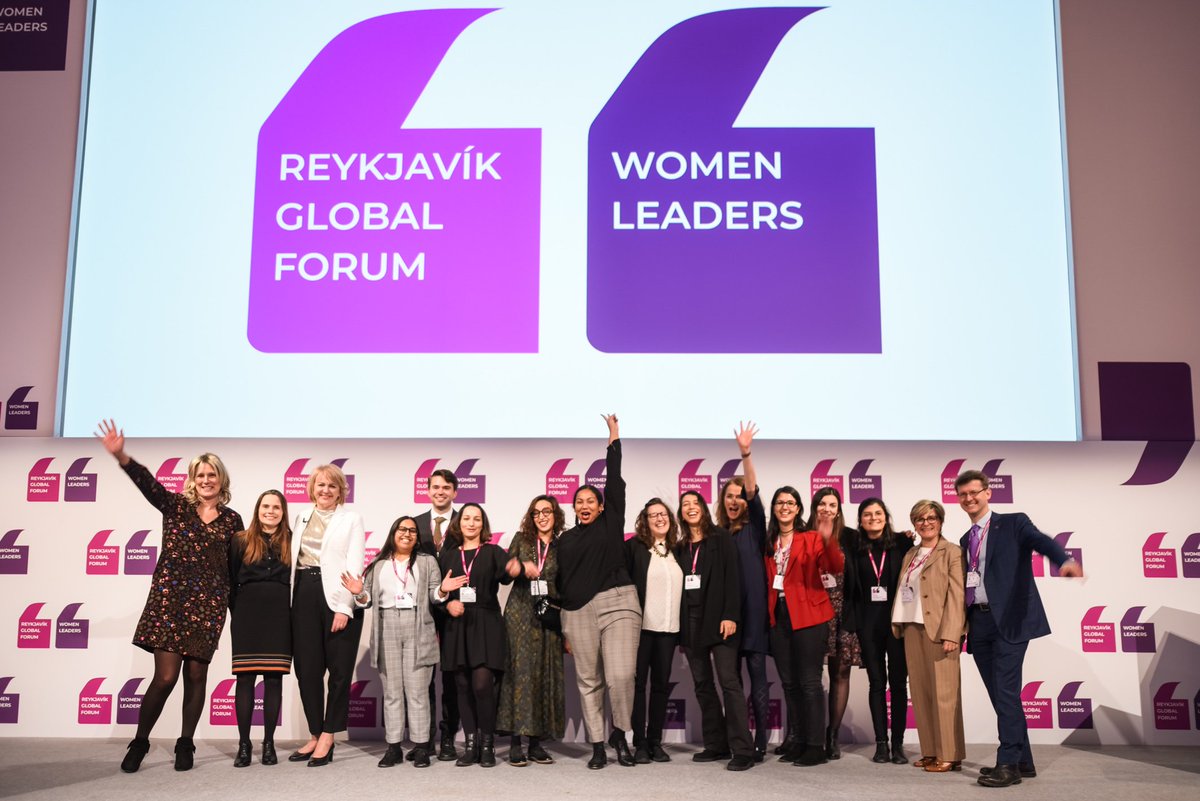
531,694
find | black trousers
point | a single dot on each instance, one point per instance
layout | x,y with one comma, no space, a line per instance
656,652
799,657
727,730
448,726
317,651
883,657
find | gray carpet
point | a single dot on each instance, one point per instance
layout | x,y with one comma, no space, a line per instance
77,768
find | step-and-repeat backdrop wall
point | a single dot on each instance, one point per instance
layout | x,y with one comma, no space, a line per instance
78,544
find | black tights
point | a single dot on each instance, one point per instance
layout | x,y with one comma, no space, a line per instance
167,667
839,690
244,703
477,699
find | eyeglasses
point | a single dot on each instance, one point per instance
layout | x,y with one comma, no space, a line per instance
406,530
970,495
543,512
927,520
786,504
657,516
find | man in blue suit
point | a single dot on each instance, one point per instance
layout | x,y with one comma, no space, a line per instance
1004,612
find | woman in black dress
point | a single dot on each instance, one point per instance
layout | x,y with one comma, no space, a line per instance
474,643
260,620
874,554
189,592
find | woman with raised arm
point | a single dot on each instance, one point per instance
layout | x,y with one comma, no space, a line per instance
260,619
601,617
329,540
189,592
873,556
403,584
474,645
740,512
843,650
532,702
708,632
799,609
929,613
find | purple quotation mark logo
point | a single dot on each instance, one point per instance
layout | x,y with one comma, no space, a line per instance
381,229
679,201
822,478
10,703
561,485
14,559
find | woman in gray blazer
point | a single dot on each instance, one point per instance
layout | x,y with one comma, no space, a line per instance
402,584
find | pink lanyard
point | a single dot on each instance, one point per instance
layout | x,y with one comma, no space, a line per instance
782,556
541,555
695,554
974,557
914,564
467,570
407,573
878,569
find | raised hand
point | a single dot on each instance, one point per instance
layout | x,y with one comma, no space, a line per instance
614,432
354,585
113,440
745,436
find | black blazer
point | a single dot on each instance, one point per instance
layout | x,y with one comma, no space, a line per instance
425,531
637,562
856,587
720,589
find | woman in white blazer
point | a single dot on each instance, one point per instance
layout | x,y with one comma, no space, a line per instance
402,584
328,541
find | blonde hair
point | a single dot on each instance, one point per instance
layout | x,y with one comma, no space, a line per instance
335,473
213,461
921,507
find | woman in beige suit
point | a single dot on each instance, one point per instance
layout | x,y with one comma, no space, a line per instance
928,614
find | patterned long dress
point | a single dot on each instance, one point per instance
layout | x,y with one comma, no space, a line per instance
532,703
189,592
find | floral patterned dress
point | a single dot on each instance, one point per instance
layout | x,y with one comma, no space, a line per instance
189,592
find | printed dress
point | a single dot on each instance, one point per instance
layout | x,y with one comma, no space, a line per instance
189,592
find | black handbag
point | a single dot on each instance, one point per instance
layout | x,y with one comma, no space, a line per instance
548,613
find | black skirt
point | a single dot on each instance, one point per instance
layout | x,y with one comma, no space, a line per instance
262,629
476,639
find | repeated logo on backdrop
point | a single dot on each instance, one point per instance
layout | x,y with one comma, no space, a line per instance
76,485
95,707
14,558
70,631
1000,484
10,703
1074,712
20,413
104,558
561,485
364,708
295,481
472,487
1159,561
1101,637
863,484
1039,561
172,474
221,706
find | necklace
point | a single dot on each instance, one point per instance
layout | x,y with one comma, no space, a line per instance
660,549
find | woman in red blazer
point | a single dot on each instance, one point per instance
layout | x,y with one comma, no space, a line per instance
801,564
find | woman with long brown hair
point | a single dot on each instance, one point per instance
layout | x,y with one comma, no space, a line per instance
532,700
260,620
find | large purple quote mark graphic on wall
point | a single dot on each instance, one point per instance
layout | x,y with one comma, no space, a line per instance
686,212
373,238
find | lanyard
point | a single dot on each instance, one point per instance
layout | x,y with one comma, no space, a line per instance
974,554
695,554
467,570
407,573
541,555
913,565
877,568
781,557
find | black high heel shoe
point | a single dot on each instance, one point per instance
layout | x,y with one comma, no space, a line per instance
138,748
317,762
301,756
244,755
185,753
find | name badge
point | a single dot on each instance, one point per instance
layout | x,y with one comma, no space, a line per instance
973,578
406,601
878,593
466,595
691,582
828,581
907,595
539,587
778,583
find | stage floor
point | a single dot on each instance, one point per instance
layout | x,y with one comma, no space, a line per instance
88,769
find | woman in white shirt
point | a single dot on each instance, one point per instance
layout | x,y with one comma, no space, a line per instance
659,582
327,541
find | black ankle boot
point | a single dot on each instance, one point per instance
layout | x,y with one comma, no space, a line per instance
786,747
881,752
898,757
599,758
244,754
833,749
138,748
185,752
487,751
470,754
268,756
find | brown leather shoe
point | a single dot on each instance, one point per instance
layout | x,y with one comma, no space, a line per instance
924,761
942,767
